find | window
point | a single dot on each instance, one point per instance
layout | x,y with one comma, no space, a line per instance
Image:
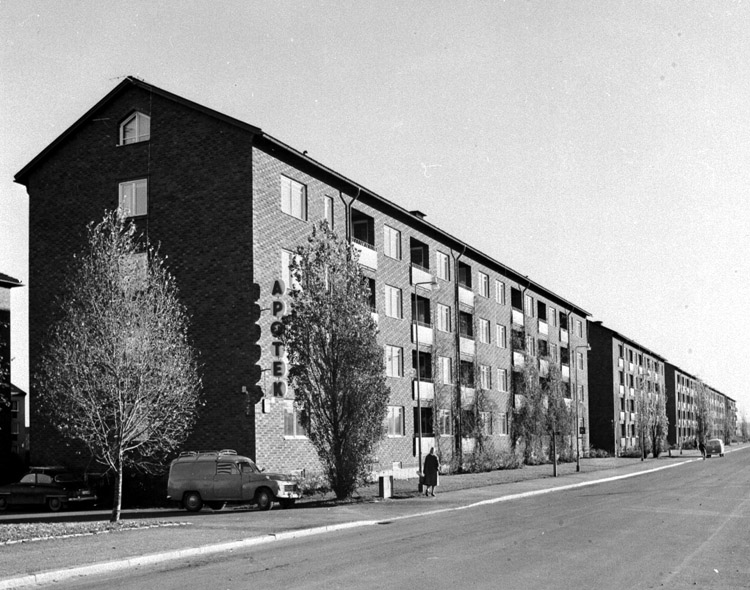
393,302
286,275
579,356
446,369
426,421
553,353
292,425
394,361
530,345
328,210
620,351
485,377
622,378
465,324
500,292
552,315
443,318
395,421
541,311
293,198
14,408
502,423
579,328
484,284
528,305
502,380
485,420
443,266
445,424
484,331
391,242
136,128
501,336
134,197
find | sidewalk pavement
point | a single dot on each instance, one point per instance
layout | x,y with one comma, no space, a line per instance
208,532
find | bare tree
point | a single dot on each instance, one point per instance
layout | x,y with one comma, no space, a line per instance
118,372
336,365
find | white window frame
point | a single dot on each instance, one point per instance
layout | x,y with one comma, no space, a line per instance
501,336
142,128
443,318
133,197
485,419
485,377
298,431
484,284
528,305
484,331
395,423
328,208
579,328
503,422
394,304
445,422
446,369
394,361
499,292
502,380
579,360
552,316
293,197
443,266
391,242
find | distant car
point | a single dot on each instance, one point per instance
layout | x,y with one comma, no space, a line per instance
715,446
53,487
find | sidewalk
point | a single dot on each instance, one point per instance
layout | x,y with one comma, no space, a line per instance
25,564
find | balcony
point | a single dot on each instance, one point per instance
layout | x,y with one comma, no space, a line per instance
543,327
426,390
517,317
620,363
564,336
519,360
467,395
622,390
566,373
543,367
424,332
622,417
421,275
468,345
367,255
465,296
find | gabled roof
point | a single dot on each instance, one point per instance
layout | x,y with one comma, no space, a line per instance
416,217
128,82
9,282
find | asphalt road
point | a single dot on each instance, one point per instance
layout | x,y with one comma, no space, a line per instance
687,527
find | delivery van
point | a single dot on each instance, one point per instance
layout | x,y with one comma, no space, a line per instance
215,478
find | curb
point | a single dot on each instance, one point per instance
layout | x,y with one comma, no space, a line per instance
156,558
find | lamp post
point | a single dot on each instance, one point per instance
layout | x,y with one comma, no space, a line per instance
578,420
433,283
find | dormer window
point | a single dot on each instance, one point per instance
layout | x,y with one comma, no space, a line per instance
137,127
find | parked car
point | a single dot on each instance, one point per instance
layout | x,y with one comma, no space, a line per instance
53,487
218,477
715,446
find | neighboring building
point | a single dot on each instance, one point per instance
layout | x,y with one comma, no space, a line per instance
19,437
228,204
6,284
617,365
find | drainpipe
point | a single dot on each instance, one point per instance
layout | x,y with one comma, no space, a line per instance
348,213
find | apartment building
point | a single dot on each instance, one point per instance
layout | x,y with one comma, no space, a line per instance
618,367
228,205
6,438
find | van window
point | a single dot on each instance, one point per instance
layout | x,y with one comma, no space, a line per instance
248,466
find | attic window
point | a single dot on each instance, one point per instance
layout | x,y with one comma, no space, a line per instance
136,128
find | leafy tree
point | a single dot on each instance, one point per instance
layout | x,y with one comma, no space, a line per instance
651,420
703,414
118,373
529,417
744,429
559,413
336,365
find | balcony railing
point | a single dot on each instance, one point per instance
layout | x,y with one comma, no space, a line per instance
543,327
422,275
468,345
467,395
517,317
564,335
367,255
426,389
465,296
424,332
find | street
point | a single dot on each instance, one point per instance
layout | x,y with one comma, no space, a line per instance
683,527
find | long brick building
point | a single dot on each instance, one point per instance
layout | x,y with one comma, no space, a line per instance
228,203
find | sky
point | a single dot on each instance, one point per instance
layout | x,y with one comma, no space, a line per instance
601,148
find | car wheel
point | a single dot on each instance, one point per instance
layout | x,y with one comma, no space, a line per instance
192,501
264,499
54,504
287,502
3,503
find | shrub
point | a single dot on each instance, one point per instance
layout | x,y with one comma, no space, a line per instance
598,453
309,485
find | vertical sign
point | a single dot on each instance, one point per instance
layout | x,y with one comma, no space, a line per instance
278,364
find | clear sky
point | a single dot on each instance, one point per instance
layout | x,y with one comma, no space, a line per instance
601,148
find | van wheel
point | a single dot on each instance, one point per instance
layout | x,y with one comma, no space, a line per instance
264,499
54,504
192,501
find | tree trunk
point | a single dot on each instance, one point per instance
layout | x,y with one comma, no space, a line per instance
117,500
